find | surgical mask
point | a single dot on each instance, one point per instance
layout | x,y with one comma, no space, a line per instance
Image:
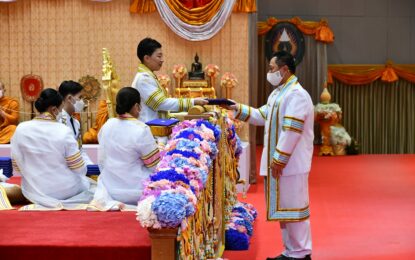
79,106
274,78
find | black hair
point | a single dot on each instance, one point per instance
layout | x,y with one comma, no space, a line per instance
69,87
285,58
147,46
126,98
48,97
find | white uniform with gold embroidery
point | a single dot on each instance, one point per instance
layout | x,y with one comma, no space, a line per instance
154,99
51,165
127,155
76,131
288,118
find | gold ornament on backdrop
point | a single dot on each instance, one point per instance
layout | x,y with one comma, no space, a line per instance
212,71
90,93
110,82
164,81
179,72
92,88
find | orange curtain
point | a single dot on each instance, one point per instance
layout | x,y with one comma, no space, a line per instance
148,6
320,30
366,74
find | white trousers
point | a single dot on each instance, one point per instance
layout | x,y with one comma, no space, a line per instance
296,236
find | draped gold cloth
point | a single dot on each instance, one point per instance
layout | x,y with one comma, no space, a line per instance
148,6
320,30
365,74
195,16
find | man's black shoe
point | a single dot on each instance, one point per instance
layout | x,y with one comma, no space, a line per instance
280,257
283,257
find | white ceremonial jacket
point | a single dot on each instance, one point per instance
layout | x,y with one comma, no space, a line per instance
51,165
288,118
76,131
154,99
127,155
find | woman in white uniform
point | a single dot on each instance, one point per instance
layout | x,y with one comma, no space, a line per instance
127,155
49,160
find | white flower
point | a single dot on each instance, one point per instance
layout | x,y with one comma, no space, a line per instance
145,215
339,135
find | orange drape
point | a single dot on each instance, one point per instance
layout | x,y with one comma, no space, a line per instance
366,74
320,30
148,6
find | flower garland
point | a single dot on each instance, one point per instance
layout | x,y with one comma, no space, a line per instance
179,71
164,81
228,80
170,195
212,70
240,227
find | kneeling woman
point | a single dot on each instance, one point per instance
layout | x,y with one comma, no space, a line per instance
127,155
49,160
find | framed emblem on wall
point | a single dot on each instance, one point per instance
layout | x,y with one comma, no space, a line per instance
285,36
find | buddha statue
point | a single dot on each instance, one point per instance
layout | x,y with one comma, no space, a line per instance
196,72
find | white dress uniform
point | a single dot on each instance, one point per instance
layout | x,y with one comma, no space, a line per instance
127,155
288,118
155,102
75,128
51,165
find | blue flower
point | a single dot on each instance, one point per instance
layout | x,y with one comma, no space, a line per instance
188,134
170,209
215,129
170,175
186,144
235,240
178,162
247,224
186,154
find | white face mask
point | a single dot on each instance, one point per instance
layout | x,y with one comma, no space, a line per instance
79,106
274,78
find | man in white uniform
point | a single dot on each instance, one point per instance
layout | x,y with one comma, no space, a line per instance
71,93
154,99
288,118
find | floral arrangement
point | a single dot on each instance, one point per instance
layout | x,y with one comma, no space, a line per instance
170,195
212,70
327,108
228,80
233,138
239,228
339,136
179,71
